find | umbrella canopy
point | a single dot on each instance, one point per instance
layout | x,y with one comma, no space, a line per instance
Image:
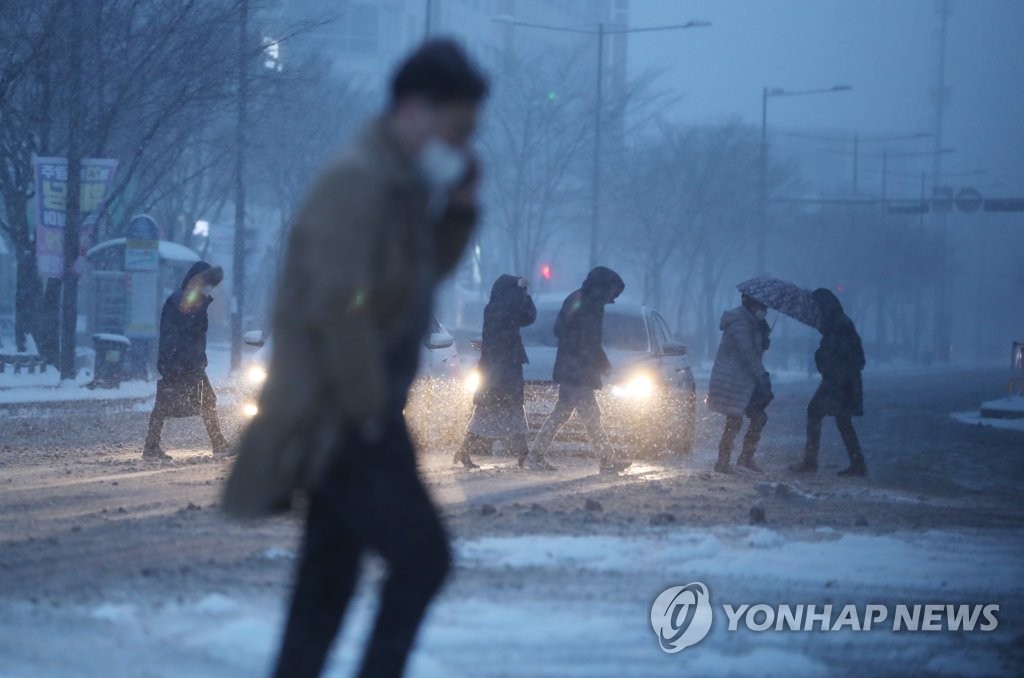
784,297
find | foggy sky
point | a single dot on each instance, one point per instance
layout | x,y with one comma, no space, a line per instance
885,49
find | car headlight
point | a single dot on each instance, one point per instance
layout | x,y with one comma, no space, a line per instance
639,386
473,380
250,410
257,374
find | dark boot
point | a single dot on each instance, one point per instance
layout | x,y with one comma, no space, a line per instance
809,464
746,461
462,454
722,465
152,449
857,467
520,448
806,466
732,428
758,420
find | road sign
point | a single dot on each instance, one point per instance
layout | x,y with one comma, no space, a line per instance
968,200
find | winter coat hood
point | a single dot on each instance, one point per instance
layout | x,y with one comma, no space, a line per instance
503,285
198,268
740,314
738,363
603,283
830,306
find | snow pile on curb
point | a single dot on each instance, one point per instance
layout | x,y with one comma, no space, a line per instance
974,418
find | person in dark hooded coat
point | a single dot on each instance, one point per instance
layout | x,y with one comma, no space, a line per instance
499,409
580,364
184,390
840,360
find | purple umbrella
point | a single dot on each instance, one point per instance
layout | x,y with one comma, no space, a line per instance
784,297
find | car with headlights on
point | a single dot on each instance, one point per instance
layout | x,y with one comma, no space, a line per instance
438,407
649,400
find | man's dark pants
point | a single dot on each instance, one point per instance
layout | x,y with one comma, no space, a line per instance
372,499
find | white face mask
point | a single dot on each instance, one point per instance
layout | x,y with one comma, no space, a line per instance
207,290
761,314
442,165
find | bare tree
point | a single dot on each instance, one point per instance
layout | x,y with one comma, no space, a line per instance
533,146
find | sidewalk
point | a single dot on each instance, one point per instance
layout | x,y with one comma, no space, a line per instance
1004,413
44,394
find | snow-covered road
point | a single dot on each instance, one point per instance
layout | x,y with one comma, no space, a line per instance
113,566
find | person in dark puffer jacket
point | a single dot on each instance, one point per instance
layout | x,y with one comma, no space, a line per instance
840,360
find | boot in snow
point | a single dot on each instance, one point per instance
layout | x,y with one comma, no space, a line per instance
462,457
155,453
747,461
857,467
534,462
610,467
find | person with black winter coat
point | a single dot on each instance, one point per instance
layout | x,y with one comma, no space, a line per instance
184,390
840,360
580,364
500,411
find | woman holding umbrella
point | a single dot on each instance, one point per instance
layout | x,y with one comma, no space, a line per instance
840,360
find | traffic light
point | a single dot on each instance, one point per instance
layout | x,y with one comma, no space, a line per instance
545,272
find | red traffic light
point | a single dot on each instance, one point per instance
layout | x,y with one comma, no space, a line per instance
545,272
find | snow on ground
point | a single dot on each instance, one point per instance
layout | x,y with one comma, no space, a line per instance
1010,404
45,386
974,418
544,605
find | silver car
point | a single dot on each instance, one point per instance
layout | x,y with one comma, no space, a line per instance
438,390
649,401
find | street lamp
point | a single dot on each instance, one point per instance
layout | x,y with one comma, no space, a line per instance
600,32
767,93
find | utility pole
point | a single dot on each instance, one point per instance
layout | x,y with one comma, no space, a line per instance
762,187
595,198
943,334
856,161
72,207
238,281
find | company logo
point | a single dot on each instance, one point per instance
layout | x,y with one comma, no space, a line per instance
681,616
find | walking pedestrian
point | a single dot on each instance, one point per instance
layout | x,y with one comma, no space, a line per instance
840,360
500,411
580,363
383,225
184,389
740,385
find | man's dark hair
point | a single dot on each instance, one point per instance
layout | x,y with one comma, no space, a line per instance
441,72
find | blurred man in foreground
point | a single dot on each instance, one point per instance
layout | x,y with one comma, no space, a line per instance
387,220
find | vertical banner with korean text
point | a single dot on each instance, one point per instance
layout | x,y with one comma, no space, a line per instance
51,181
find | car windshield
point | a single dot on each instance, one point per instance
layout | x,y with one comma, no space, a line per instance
622,331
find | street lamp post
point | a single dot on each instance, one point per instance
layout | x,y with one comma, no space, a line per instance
600,32
766,93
